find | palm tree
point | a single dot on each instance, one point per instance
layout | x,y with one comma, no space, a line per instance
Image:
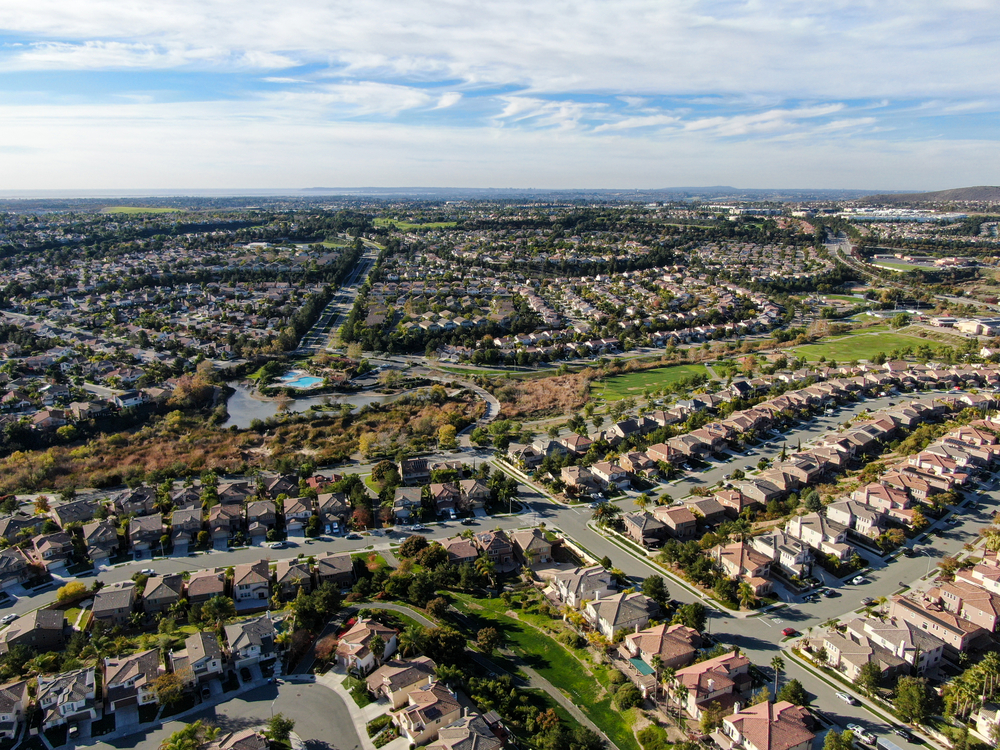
642,501
411,640
605,513
681,693
777,664
657,665
748,597
486,568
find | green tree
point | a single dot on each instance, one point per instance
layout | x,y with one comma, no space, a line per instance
793,692
279,728
488,640
191,737
777,664
411,640
912,699
869,677
655,589
605,514
376,644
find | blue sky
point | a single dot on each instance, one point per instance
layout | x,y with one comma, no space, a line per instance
589,93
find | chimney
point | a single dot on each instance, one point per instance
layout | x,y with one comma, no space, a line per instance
711,684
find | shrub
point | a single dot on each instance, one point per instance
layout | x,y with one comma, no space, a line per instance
616,677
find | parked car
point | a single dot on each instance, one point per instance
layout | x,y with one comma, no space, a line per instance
867,600
862,734
148,572
468,522
831,593
354,536
906,734
788,631
850,700
858,580
6,619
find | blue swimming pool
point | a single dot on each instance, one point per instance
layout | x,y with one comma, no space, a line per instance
299,379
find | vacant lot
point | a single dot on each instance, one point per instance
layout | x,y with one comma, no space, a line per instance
634,383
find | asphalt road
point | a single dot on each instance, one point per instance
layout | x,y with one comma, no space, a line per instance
321,718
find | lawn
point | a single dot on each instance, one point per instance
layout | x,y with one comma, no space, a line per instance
900,266
406,226
139,210
859,345
634,383
552,661
358,690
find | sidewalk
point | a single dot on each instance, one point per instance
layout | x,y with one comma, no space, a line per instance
360,716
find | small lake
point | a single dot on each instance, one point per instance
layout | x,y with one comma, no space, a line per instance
244,408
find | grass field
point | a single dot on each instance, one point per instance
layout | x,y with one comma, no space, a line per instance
858,345
139,210
633,383
553,662
843,298
405,226
900,266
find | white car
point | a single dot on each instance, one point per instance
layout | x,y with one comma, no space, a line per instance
848,699
858,580
6,619
862,734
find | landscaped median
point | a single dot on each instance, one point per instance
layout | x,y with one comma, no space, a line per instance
529,637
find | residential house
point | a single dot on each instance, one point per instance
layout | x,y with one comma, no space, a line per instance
768,726
579,585
895,503
15,567
917,647
67,697
475,494
460,551
734,502
645,528
130,680
723,680
139,502
428,709
114,606
336,569
287,485
76,511
740,560
292,576
252,583
470,732
223,522
709,509
251,641
793,558
161,593
54,550
676,645
577,445
850,651
616,612
14,702
957,633
298,511
496,546
262,512
406,503
680,522
579,478
144,533
201,659
445,496
353,652
611,475
185,525
101,538
43,630
862,519
820,533
414,471
971,602
396,679
532,546
333,510
204,585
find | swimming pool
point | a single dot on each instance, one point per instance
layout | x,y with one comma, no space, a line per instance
299,379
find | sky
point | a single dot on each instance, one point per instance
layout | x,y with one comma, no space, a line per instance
216,94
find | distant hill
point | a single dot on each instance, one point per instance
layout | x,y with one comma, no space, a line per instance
981,194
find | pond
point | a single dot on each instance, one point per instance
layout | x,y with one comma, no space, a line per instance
243,407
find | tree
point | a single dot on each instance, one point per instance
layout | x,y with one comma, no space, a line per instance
412,545
642,501
446,436
444,645
279,728
918,521
191,737
41,504
71,590
606,513
654,588
628,696
411,640
692,615
711,717
488,640
777,664
437,608
793,692
869,677
218,610
912,699
839,740
376,644
169,688
747,596
326,647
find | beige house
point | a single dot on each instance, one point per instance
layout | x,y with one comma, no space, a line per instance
768,726
429,709
396,679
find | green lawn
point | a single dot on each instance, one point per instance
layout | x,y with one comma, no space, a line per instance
405,226
900,266
553,662
633,383
139,210
860,345
843,298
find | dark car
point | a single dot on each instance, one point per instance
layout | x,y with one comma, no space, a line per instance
906,734
468,522
354,536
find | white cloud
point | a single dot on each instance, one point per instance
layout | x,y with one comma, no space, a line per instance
449,99
105,55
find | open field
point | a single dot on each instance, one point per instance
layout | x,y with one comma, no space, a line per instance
859,345
632,384
139,210
405,226
843,298
901,266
